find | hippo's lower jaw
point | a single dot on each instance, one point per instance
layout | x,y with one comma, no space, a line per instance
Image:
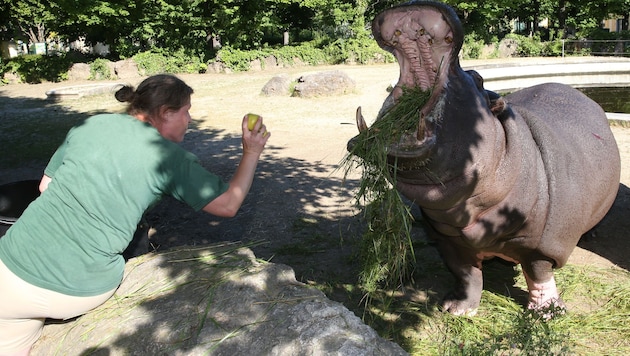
412,147
413,151
410,152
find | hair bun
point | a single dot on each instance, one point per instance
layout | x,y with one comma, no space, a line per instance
125,94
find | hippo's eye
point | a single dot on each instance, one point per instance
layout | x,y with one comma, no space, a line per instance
398,33
430,41
448,39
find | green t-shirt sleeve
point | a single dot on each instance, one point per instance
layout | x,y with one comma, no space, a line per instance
194,185
56,159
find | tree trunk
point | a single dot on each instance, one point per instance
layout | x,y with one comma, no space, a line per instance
36,34
216,42
285,38
562,18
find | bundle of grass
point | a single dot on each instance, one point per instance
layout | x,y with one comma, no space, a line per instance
386,249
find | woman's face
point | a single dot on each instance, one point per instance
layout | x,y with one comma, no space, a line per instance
175,123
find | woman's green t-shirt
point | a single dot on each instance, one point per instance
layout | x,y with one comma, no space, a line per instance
108,171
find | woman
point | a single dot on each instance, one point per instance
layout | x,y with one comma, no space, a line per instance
63,257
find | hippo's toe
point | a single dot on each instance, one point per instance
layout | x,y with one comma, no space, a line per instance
457,306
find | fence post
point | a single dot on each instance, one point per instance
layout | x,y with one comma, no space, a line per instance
563,48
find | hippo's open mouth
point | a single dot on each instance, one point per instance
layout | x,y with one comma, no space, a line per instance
425,38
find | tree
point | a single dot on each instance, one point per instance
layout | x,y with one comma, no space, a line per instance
197,26
28,19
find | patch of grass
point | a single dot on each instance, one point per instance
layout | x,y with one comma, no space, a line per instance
597,322
514,332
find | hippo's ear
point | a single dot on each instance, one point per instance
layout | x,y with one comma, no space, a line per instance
497,104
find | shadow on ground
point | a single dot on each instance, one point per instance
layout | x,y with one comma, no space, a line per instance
609,239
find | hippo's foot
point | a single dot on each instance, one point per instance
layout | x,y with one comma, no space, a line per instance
544,298
457,306
465,299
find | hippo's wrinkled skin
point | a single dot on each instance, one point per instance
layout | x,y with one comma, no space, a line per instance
520,177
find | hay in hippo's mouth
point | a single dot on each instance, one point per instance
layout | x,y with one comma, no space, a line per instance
387,251
401,119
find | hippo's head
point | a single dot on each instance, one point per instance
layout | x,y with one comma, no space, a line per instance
425,37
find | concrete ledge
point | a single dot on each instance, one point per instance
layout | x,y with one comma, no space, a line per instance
77,91
510,75
613,116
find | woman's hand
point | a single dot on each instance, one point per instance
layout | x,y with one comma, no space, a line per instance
43,184
228,203
254,141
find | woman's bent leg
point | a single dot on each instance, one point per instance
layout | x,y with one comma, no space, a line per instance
24,308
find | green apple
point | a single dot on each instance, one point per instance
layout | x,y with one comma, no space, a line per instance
252,119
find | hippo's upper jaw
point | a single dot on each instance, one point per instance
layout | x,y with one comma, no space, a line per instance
425,38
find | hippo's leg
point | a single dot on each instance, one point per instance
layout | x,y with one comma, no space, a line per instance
543,294
465,297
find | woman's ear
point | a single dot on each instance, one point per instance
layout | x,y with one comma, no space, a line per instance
163,112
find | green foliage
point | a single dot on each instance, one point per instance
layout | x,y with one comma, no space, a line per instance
528,46
553,48
157,62
315,52
356,50
306,52
238,60
472,48
36,68
99,69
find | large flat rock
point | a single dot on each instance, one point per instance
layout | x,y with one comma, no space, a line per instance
217,300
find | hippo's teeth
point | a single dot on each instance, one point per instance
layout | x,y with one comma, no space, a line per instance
361,121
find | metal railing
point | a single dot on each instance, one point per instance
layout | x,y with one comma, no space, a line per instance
618,48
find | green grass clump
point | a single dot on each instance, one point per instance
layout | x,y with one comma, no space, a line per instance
387,251
597,321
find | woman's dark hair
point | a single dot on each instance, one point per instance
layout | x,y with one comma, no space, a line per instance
153,93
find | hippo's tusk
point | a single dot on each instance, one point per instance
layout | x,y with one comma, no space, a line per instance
421,128
361,121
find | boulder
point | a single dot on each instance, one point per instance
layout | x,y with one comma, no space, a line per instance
508,48
79,71
126,69
327,83
11,78
276,86
255,65
215,67
213,300
271,62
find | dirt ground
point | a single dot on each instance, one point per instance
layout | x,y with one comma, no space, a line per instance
300,211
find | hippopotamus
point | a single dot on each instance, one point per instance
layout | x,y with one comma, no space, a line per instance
520,177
